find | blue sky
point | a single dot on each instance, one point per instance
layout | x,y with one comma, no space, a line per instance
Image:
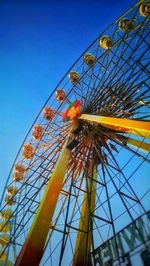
39,41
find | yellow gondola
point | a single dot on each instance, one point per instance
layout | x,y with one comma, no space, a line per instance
126,25
12,190
60,95
37,132
19,170
9,200
106,42
48,113
5,227
18,177
6,214
89,59
74,77
145,9
28,151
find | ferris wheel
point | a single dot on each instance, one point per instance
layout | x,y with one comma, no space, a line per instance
73,185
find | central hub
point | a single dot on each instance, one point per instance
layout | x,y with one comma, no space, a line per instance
72,111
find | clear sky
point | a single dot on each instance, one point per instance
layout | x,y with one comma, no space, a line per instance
39,41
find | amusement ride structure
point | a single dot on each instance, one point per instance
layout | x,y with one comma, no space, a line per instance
72,186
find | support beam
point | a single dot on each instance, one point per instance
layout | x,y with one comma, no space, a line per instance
136,143
84,238
135,127
33,247
141,145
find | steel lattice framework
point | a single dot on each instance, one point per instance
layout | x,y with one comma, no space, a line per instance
73,183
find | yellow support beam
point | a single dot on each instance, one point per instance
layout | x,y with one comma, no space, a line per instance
135,127
83,240
141,145
33,247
